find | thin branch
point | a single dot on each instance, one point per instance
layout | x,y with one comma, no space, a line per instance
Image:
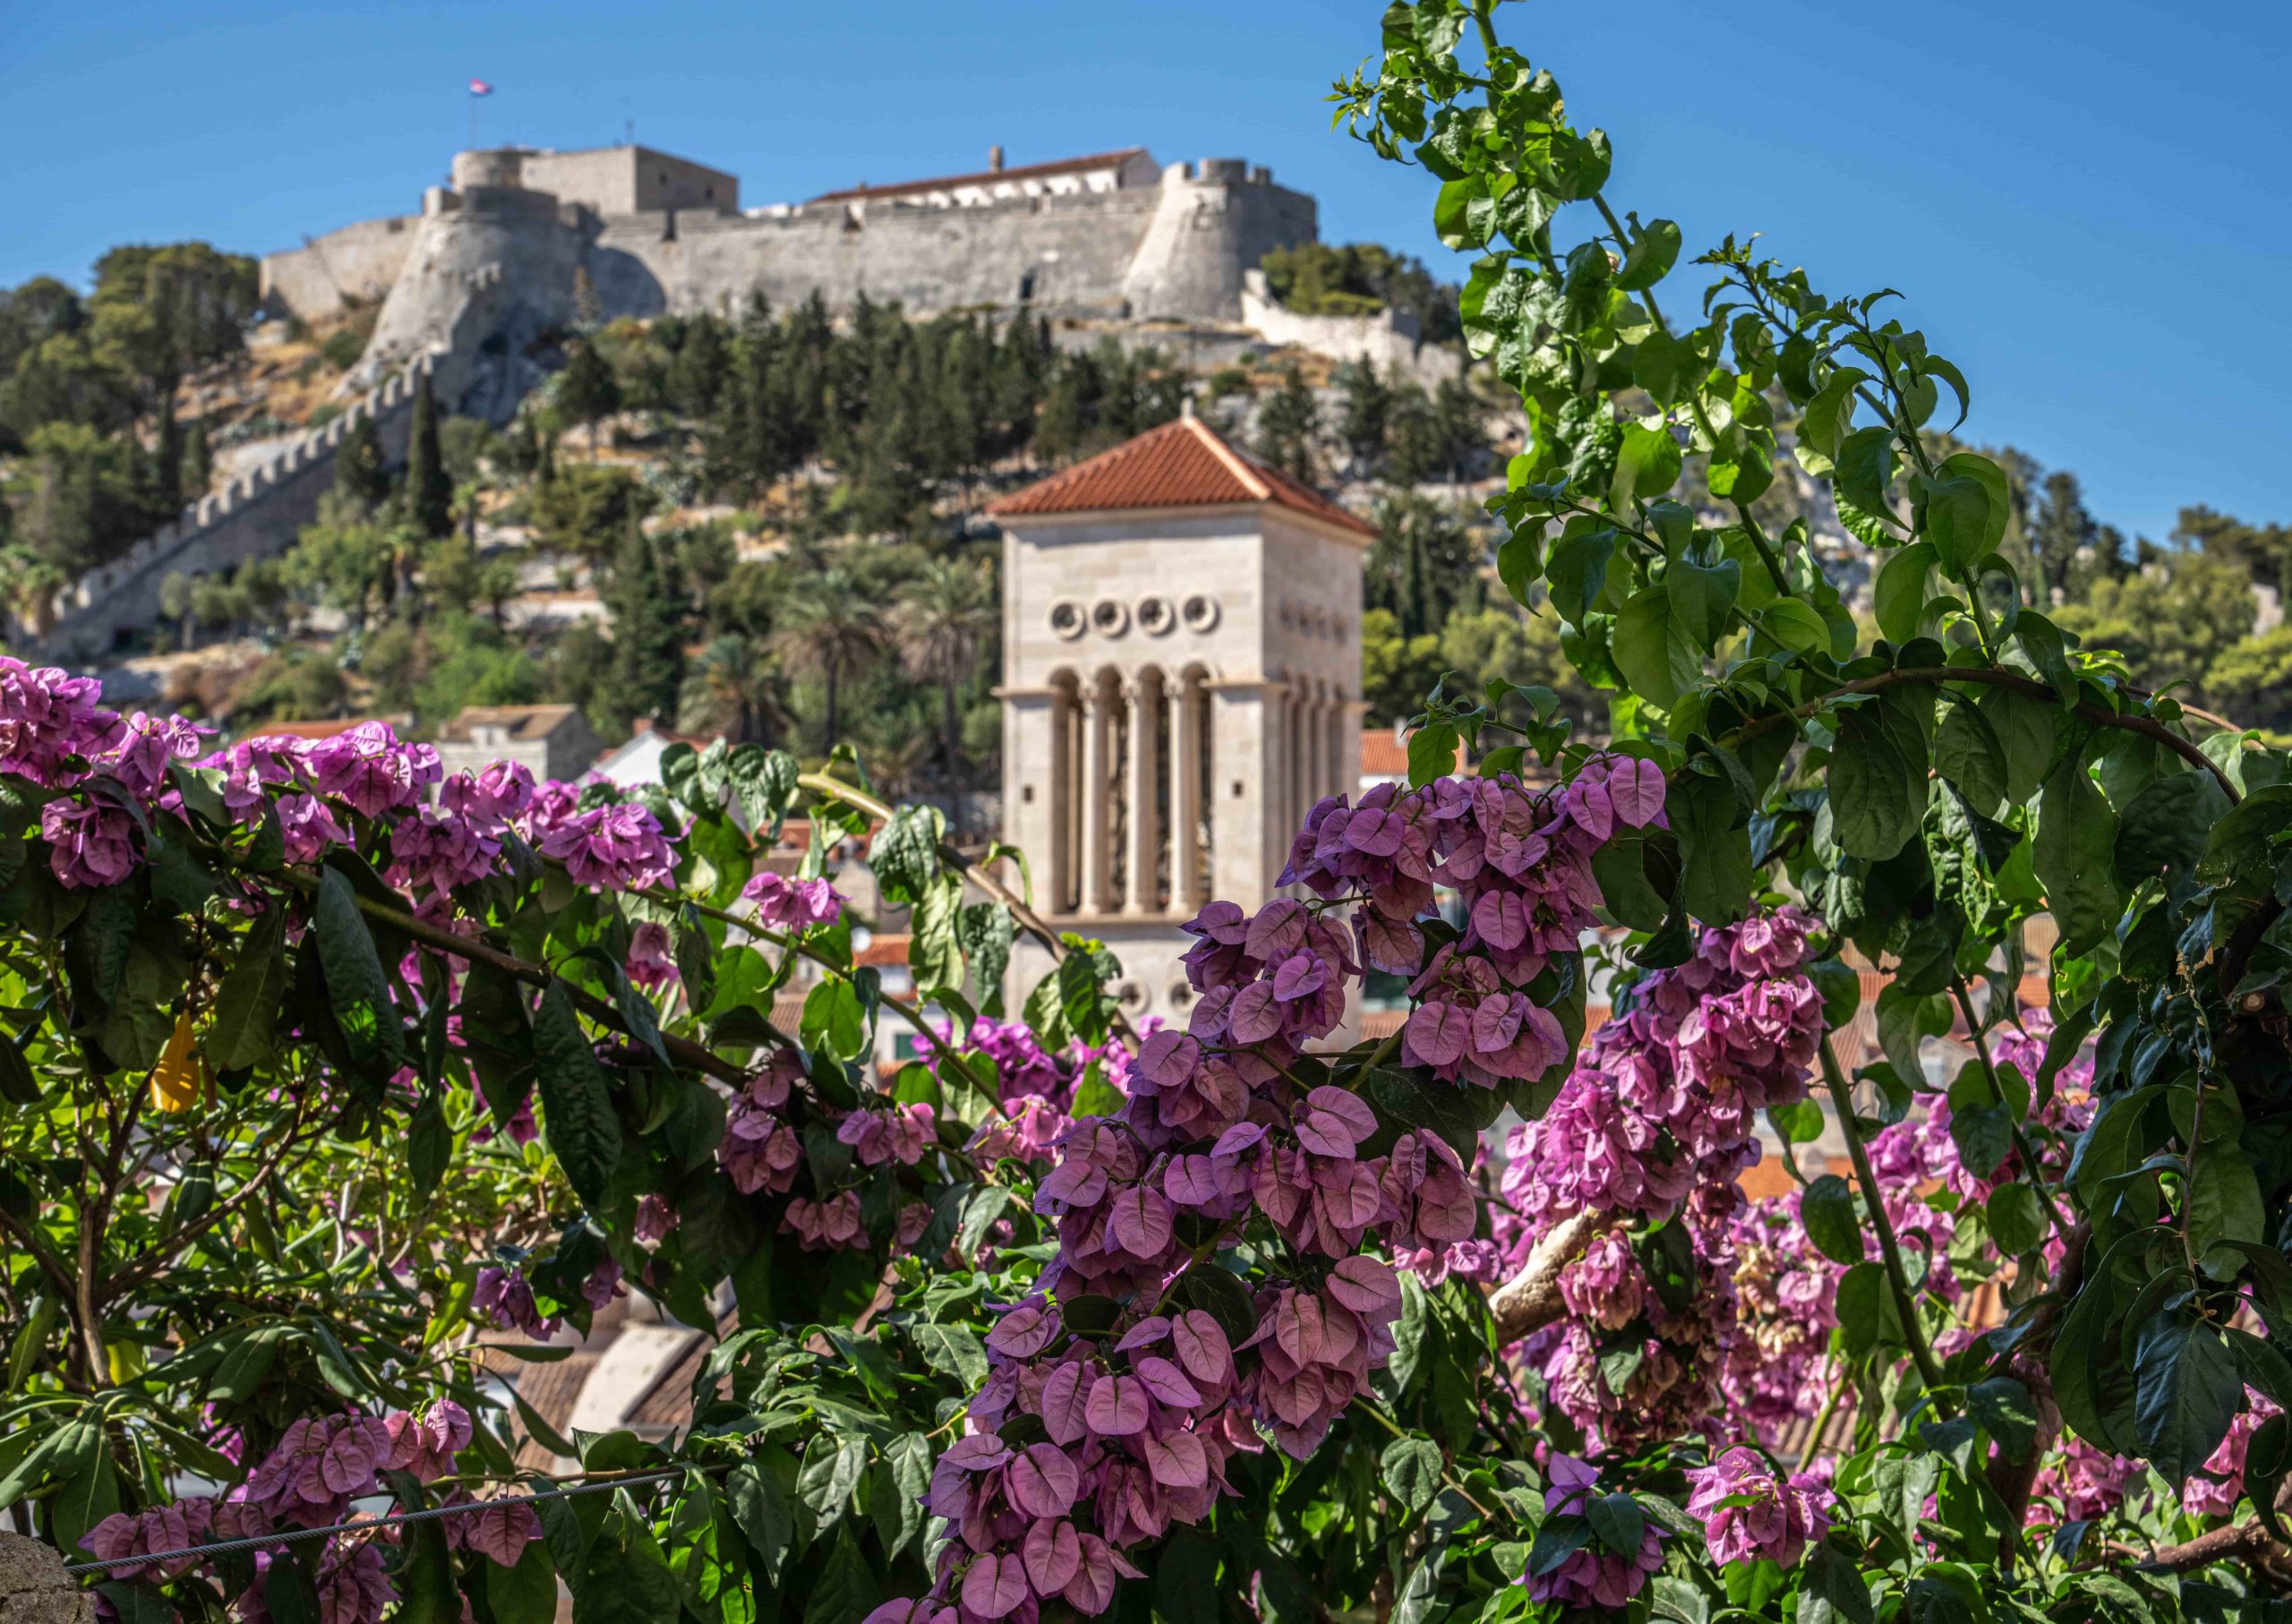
1889,1249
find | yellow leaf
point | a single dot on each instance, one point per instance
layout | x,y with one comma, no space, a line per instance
176,1081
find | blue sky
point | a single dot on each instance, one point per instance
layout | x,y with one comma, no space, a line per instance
2085,204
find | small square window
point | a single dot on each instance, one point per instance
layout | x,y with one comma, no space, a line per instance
1237,789
1027,793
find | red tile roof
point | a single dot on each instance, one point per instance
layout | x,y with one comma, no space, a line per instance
1184,464
316,730
985,178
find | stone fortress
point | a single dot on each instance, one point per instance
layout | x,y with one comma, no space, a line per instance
504,254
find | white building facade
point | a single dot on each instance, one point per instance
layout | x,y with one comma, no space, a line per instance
1182,669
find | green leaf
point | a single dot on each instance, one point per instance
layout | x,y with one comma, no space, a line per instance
1829,414
2189,1389
935,948
845,1590
1431,753
955,1349
1653,250
831,1471
1877,783
526,1593
762,1505
2222,1203
1899,594
905,854
903,1476
1412,1468
2017,1220
1620,869
1617,1522
2164,830
1866,467
2076,857
577,1117
1646,465
1968,752
2005,1406
834,1020
247,1003
2025,726
1869,1317
355,986
1653,648
1832,1590
1957,522
1578,571
1981,532
1714,847
80,1463
1796,626
1702,597
1185,1578
1827,1209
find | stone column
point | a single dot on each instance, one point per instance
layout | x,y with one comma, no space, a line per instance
1316,750
1145,696
1097,727
1273,705
1298,706
1060,793
1344,754
1186,699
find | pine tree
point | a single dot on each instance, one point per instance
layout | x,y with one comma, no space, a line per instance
648,630
586,392
1286,423
429,488
197,461
359,472
587,308
1365,414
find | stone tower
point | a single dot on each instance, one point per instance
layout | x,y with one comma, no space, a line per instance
1182,678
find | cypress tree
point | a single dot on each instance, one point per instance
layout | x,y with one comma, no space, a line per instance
359,472
648,631
429,488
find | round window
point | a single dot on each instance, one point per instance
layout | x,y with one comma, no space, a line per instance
1066,618
1155,616
1200,613
1109,618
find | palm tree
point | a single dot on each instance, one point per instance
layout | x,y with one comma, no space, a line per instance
827,625
938,623
732,690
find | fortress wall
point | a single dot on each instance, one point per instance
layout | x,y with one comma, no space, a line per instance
1066,253
1211,222
256,517
516,236
1388,338
356,263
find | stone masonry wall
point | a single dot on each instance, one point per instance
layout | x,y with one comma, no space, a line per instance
356,264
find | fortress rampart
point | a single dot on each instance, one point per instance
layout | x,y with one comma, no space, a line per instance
496,260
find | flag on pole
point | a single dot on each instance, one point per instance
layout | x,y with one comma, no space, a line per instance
478,87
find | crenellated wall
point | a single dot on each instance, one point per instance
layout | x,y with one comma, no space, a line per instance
259,514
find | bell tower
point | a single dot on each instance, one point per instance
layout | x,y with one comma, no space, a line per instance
1181,683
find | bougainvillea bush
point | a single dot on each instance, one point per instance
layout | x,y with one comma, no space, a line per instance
325,1077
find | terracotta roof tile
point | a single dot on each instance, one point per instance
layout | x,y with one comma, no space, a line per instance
985,177
1183,463
519,720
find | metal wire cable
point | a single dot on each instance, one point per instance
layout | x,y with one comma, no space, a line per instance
367,1524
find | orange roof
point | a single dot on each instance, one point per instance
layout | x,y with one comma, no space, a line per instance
882,952
986,177
316,730
1184,464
